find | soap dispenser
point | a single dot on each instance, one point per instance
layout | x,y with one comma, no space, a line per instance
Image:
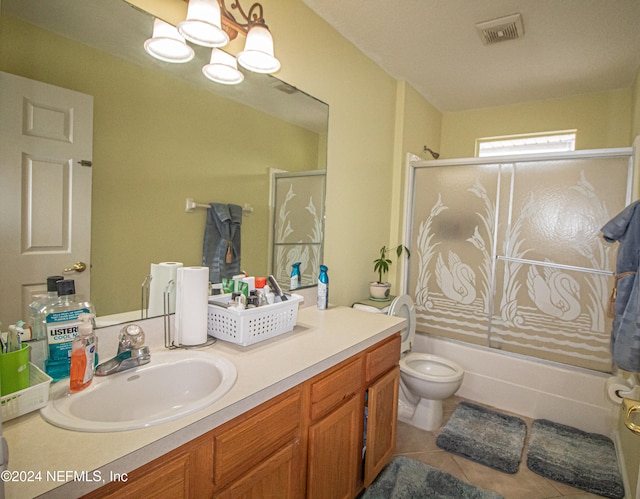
83,354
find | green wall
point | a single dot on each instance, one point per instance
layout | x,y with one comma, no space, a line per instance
602,120
157,141
375,120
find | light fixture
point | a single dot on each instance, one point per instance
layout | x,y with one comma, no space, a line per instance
258,55
203,24
211,24
223,68
167,45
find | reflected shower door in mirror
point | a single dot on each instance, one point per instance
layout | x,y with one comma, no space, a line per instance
298,222
162,133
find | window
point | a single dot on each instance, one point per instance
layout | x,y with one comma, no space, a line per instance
526,144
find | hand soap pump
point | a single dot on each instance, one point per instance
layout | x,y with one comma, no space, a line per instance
83,354
295,276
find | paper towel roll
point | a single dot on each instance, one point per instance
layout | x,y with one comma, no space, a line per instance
161,274
192,300
617,388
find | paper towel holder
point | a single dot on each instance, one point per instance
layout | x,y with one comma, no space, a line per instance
169,342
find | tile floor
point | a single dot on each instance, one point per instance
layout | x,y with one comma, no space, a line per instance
421,445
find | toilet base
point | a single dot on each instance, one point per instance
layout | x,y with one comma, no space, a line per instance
427,416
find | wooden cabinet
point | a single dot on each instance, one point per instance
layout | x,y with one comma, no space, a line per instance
306,442
333,457
338,433
382,410
179,473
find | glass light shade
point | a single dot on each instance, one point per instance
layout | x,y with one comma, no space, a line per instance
258,55
166,44
203,25
223,68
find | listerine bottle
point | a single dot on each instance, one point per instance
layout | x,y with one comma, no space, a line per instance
323,288
41,301
296,279
61,320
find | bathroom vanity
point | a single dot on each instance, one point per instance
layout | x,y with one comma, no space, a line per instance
292,425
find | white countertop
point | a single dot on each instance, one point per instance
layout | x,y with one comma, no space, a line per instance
51,456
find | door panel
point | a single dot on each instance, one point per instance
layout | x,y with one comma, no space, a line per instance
45,192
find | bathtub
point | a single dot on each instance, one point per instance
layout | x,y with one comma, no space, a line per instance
533,388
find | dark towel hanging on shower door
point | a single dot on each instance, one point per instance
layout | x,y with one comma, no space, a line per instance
625,333
221,247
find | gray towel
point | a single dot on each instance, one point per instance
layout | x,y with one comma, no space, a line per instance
625,333
221,248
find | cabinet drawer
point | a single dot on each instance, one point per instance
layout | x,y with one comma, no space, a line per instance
382,357
249,443
330,390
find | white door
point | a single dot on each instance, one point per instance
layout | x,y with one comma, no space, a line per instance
46,140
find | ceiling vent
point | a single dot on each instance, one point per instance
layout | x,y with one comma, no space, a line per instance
502,29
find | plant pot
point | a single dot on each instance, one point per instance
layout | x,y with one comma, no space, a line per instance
379,290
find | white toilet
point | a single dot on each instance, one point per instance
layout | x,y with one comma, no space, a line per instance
425,379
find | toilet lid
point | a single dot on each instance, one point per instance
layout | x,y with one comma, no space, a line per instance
403,307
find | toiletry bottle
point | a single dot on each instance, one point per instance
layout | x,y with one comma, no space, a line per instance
260,284
268,294
323,288
295,276
61,323
35,320
83,354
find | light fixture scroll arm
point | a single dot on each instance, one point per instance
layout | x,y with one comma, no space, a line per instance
255,14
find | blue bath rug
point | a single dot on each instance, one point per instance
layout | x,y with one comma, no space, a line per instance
568,455
405,478
484,436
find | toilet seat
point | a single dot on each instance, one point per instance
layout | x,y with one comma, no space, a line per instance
431,367
403,306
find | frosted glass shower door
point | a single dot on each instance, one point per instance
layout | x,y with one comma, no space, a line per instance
510,255
452,250
298,225
553,272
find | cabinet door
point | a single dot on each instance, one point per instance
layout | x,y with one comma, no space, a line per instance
276,477
243,446
334,447
169,479
382,424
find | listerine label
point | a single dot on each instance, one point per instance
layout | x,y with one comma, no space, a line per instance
62,328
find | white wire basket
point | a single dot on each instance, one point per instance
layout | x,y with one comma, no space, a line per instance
30,399
251,325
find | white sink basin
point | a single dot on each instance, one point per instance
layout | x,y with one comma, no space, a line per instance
174,384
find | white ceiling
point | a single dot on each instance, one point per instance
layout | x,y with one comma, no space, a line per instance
569,47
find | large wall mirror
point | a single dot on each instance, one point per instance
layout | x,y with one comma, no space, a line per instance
162,133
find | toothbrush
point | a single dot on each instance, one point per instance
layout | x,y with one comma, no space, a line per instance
13,340
276,288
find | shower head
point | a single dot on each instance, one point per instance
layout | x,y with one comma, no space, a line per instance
433,153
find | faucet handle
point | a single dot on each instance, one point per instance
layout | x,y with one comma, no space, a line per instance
131,336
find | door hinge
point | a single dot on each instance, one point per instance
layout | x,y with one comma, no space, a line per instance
85,162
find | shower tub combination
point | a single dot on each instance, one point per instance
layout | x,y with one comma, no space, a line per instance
510,276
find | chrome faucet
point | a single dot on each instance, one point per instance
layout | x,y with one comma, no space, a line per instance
131,352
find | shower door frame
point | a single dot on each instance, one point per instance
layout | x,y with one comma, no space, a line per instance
414,164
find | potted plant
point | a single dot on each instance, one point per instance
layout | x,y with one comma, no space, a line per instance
379,290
